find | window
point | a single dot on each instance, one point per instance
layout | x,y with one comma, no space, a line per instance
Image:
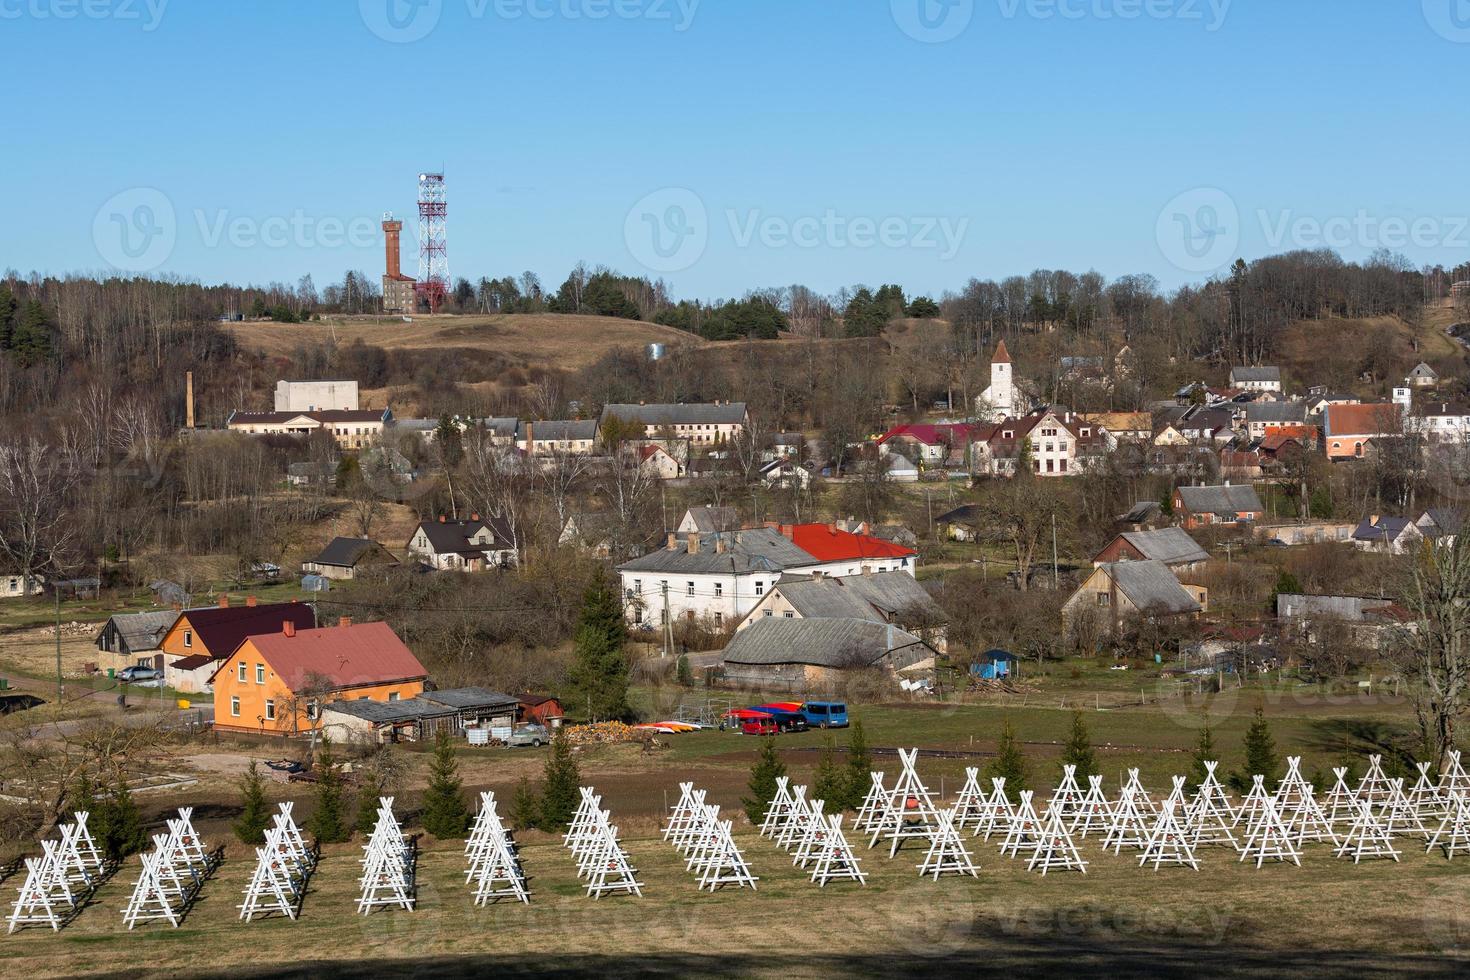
768,612
789,614
760,588
392,695
260,673
241,666
689,588
719,619
188,638
270,710
1103,599
235,707
313,710
719,589
637,586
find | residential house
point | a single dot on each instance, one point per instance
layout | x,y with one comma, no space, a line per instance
308,474
656,462
706,519
1195,425
1197,507
1262,416
1305,532
1122,591
1240,464
135,638
1057,442
350,429
1423,376
801,655
932,446
702,424
1347,429
1443,422
1143,514
1387,535
18,586
344,558
279,682
198,639
547,438
960,524
897,533
840,552
1256,378
1123,426
785,472
471,546
1170,546
887,597
1440,525
1366,621
1319,399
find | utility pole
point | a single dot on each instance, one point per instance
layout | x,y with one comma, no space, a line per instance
60,685
1056,583
668,623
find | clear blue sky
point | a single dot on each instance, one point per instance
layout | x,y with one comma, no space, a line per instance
1053,141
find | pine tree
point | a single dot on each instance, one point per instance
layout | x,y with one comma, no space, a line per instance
598,680
1204,751
120,831
829,783
83,798
561,785
1260,757
525,806
255,818
859,767
1078,750
328,821
768,766
445,814
367,810
1009,763
682,671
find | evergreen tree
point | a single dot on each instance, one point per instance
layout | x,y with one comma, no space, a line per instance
8,305
682,671
598,680
525,806
1078,750
328,821
445,814
1009,763
255,818
561,784
1260,757
1286,584
120,832
84,796
859,767
829,783
30,338
1204,751
367,810
768,766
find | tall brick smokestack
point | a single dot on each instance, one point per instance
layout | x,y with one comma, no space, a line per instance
392,232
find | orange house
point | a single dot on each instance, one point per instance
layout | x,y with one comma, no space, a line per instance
215,631
277,682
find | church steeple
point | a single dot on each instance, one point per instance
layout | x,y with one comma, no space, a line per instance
1002,356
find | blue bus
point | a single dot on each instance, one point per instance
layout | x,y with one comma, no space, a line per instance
825,714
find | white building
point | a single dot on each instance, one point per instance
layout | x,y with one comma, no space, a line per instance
316,396
1256,378
1444,422
1002,399
702,424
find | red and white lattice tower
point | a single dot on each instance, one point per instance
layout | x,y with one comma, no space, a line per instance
433,284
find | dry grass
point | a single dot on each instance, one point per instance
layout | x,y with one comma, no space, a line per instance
1329,916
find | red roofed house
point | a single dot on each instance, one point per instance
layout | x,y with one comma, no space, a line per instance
277,683
840,552
933,445
199,638
1349,428
1058,443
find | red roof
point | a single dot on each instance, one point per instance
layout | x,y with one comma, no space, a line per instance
219,629
348,656
954,433
1363,420
825,543
1002,356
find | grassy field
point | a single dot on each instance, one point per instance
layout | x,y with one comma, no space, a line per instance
1328,917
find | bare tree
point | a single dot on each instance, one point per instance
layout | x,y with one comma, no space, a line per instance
496,483
1435,652
35,486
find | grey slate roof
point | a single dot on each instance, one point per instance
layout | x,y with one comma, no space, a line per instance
1142,512
555,430
453,537
344,552
708,520
1152,588
1256,374
1348,608
140,631
874,597
754,550
1226,500
470,697
1384,528
817,642
390,712
1170,545
1284,413
728,413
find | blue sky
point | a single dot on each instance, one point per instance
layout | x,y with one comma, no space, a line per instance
730,144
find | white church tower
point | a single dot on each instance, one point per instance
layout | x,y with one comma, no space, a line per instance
1000,400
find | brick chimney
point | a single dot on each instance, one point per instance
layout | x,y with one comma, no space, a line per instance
788,531
442,519
694,542
719,545
474,517
673,541
344,621
224,601
288,628
251,602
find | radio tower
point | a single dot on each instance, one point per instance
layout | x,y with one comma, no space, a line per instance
433,284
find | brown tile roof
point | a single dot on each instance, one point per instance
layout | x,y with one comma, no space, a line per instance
221,628
349,656
1357,420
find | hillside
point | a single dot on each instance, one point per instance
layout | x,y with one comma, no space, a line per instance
569,342
1335,352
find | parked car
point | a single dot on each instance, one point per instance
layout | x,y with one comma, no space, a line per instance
534,736
825,714
749,721
137,674
787,716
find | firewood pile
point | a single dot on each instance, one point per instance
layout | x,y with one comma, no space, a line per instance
604,733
